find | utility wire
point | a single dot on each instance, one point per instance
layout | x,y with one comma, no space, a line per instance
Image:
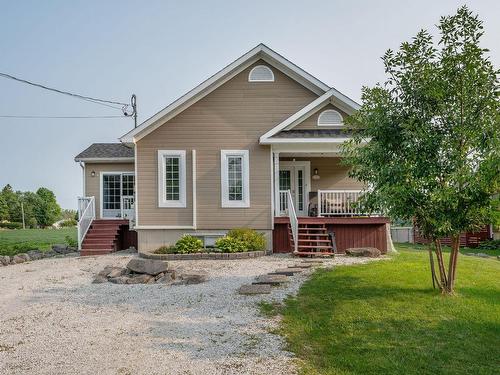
87,98
57,117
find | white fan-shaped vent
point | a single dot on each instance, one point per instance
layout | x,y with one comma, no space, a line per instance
261,73
330,117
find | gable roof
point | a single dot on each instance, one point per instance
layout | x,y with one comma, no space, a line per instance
331,96
313,133
259,52
106,152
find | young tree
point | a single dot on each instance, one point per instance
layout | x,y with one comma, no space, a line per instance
47,211
427,142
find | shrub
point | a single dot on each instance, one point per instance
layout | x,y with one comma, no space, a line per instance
11,225
166,250
489,245
188,244
229,244
68,223
71,241
253,240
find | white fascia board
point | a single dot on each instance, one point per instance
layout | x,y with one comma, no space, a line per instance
260,52
105,160
272,141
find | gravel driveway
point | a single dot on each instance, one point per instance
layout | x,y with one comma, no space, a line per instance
53,320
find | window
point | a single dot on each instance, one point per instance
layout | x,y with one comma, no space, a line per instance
261,73
330,117
235,178
171,178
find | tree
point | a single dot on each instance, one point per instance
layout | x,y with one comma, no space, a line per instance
11,201
427,141
47,210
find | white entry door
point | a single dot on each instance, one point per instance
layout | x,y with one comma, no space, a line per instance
117,195
295,176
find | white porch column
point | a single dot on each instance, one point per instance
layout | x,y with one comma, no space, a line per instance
276,183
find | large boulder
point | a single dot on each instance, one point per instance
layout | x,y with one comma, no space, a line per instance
148,266
4,260
193,277
141,279
60,249
35,254
18,259
371,252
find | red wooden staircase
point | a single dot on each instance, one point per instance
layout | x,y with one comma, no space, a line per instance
102,237
313,239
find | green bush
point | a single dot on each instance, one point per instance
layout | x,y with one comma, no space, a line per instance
188,244
166,250
71,241
489,245
68,223
253,240
11,225
229,244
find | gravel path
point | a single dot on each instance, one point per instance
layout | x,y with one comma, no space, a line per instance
53,320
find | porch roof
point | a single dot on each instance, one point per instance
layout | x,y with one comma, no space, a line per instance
313,133
106,152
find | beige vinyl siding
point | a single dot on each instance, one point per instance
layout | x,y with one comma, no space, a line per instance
312,121
232,117
92,184
333,175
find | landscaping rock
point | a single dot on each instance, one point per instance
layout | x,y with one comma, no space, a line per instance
148,266
194,277
4,260
99,279
165,279
312,261
16,259
370,252
270,279
116,272
253,289
140,279
482,255
119,280
50,254
301,265
35,254
60,249
286,271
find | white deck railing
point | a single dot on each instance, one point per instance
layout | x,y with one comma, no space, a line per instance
86,215
339,202
294,221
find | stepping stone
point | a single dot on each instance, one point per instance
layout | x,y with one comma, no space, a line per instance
286,271
270,279
301,265
312,261
252,289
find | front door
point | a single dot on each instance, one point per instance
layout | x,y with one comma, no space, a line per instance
294,176
117,199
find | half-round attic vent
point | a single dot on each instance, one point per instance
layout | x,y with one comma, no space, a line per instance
330,117
261,73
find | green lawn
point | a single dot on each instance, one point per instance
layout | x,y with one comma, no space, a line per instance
19,240
385,318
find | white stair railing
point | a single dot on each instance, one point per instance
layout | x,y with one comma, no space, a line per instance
294,221
339,202
86,215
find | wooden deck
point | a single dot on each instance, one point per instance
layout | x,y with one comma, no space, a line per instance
349,232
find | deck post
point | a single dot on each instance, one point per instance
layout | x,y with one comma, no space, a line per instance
276,183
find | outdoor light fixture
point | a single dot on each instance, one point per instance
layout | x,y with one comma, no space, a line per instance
92,174
316,175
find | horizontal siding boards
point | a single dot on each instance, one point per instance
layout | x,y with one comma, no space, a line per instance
232,117
312,121
92,184
469,239
333,175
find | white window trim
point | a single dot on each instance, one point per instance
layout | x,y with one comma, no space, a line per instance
162,202
341,123
226,203
261,80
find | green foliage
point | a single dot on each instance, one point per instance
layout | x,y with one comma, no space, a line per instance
71,241
47,211
489,245
166,250
229,244
253,240
431,133
18,241
69,214
68,223
188,244
11,225
380,319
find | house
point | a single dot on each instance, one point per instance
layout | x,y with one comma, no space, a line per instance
255,145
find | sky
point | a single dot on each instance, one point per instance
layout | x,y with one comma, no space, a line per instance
159,50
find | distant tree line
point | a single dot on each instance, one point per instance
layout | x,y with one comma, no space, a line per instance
40,208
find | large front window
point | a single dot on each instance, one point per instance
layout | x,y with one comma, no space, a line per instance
235,178
172,178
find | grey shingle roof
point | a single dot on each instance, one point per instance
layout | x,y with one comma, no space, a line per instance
313,133
105,150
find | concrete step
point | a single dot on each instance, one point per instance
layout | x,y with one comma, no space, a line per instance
270,279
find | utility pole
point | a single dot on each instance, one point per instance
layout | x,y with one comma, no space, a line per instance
22,212
133,102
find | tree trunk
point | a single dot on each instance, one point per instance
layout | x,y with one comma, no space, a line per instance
443,284
452,267
433,270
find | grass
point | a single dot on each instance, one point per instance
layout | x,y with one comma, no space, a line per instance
21,240
385,318
463,250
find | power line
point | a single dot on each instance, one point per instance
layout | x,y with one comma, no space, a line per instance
83,97
57,117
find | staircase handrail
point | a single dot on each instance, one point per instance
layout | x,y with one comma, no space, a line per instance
85,219
294,221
